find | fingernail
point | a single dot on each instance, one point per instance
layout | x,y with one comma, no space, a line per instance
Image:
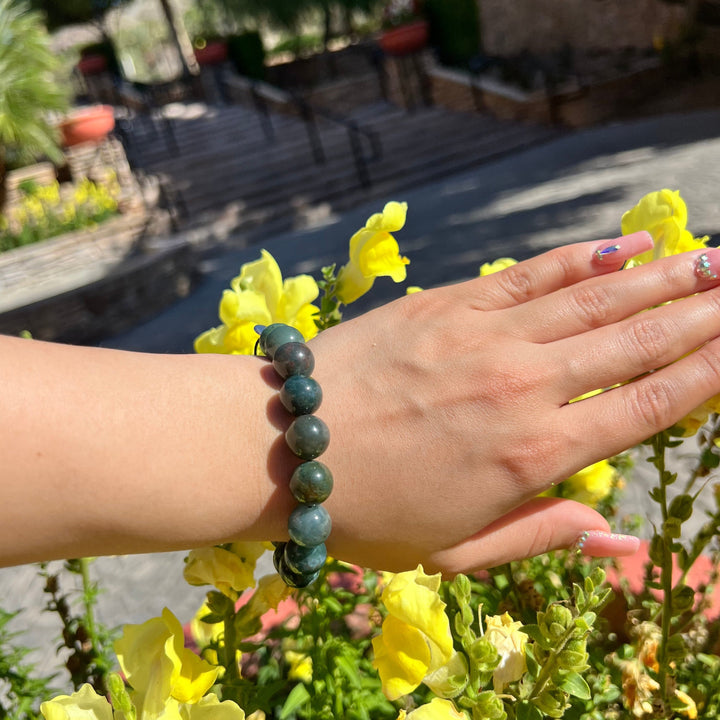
707,266
623,248
596,543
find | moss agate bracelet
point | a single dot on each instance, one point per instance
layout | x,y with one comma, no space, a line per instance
299,560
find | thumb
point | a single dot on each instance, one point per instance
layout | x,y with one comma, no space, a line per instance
538,526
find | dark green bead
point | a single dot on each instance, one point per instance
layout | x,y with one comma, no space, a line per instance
296,580
293,358
309,525
264,332
301,395
278,554
305,560
277,334
308,436
312,482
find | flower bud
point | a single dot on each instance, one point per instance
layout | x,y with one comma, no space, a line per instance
489,706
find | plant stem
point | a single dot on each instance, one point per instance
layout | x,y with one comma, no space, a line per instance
88,603
666,569
231,666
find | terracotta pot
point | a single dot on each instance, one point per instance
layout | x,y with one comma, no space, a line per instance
91,124
92,64
405,39
213,53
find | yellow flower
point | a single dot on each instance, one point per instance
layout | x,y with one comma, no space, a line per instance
258,295
374,252
690,708
505,636
204,633
415,640
301,666
591,484
497,266
210,708
230,571
85,704
436,709
638,688
158,666
664,215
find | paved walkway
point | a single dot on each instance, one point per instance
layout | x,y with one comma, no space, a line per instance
575,188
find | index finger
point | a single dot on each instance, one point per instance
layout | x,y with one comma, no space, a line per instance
553,270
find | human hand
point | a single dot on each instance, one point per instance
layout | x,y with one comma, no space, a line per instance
449,409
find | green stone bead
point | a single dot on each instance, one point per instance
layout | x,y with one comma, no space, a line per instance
301,395
278,554
277,334
293,358
296,580
312,482
308,437
309,525
305,560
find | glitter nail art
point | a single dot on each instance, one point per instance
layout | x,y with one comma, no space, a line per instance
604,252
703,269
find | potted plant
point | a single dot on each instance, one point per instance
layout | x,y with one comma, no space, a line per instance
28,91
405,29
91,124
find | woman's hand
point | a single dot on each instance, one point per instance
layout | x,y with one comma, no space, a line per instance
449,410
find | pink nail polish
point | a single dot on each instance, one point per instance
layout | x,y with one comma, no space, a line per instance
596,543
617,251
707,266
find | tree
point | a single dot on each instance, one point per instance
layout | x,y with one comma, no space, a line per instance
28,91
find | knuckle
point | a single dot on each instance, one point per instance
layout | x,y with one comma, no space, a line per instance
652,403
593,305
649,340
530,463
517,282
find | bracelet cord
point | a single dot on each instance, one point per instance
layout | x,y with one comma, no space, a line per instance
298,561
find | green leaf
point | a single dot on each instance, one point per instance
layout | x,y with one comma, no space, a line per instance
349,669
536,634
710,459
527,711
683,598
575,685
298,697
681,507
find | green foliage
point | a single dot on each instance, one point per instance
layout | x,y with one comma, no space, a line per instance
90,658
70,12
45,211
23,690
28,91
454,30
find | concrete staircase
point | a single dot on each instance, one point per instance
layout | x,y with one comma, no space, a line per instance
217,163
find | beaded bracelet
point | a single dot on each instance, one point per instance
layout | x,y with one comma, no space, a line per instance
299,560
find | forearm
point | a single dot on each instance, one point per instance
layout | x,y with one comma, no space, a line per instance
108,452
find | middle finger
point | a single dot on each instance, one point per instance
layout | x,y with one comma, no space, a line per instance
601,301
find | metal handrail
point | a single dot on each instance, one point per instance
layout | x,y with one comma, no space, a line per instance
309,114
355,133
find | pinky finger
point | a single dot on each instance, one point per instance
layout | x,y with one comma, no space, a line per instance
553,271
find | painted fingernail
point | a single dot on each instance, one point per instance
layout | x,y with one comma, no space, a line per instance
623,248
707,266
596,543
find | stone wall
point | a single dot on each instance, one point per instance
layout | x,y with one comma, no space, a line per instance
542,26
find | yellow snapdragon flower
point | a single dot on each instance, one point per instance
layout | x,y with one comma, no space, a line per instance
436,709
84,704
591,484
259,296
496,266
159,667
505,636
230,571
374,252
664,215
415,640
